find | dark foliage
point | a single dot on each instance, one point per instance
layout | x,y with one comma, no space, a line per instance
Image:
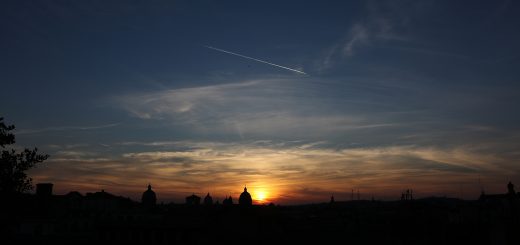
13,164
6,138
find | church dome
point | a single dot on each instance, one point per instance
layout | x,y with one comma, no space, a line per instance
245,198
149,199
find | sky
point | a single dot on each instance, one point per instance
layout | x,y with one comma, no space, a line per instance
297,100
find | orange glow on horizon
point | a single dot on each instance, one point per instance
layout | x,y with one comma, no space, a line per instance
281,176
260,196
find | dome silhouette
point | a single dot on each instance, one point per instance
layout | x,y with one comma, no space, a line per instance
149,198
245,198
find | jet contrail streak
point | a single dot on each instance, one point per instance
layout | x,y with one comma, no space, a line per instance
251,58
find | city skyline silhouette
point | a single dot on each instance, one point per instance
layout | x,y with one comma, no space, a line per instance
293,122
297,101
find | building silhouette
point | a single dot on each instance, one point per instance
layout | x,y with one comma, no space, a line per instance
208,200
511,188
104,218
193,200
105,201
228,201
245,198
44,189
149,199
407,195
511,195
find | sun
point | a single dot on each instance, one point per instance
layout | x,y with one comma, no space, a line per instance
260,196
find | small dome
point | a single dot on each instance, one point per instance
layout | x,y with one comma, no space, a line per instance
208,200
193,199
245,198
228,201
149,198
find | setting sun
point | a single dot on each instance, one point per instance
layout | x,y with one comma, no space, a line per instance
260,196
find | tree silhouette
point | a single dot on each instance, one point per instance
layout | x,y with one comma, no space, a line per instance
13,165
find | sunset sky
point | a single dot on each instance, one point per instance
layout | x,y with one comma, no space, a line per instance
298,100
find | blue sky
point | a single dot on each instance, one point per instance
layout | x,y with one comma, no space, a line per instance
398,94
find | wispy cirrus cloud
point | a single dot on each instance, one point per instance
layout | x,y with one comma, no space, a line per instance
317,109
383,22
259,107
249,107
375,29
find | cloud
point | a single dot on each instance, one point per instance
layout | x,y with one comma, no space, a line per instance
280,167
362,111
167,103
260,108
66,128
358,34
383,22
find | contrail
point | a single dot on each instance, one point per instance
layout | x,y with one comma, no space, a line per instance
251,58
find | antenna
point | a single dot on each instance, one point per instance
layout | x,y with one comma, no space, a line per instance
480,185
461,191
